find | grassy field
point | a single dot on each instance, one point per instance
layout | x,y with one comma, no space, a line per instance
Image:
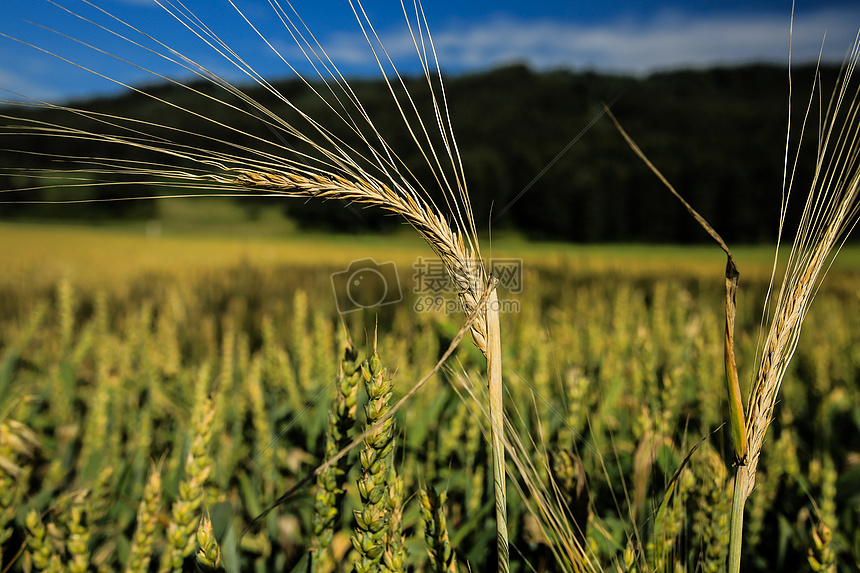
178,243
151,380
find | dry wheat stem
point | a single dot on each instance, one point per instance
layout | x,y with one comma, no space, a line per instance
544,500
339,171
736,412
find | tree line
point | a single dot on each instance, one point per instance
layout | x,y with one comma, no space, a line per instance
540,156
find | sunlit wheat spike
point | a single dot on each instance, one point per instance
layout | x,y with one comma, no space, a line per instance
302,157
829,214
231,161
449,245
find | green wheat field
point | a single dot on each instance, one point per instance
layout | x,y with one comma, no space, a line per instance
149,381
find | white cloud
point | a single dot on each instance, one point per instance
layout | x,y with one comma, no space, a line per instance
667,41
670,39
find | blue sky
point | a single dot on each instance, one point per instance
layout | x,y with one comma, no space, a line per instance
614,35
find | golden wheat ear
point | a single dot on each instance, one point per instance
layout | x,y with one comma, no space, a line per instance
304,158
830,213
299,157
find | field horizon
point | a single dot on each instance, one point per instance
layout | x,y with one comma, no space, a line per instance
89,254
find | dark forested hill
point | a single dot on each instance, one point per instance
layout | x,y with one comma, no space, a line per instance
539,155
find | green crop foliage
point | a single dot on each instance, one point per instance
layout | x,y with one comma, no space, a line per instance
147,422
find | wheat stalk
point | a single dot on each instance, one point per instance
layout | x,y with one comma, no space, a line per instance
543,498
337,171
830,213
